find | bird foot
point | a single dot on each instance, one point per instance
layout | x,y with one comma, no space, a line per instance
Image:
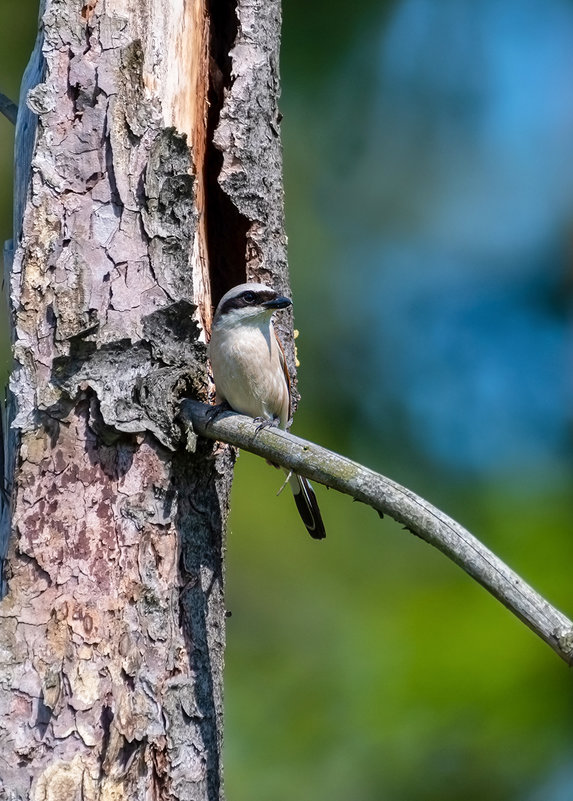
264,422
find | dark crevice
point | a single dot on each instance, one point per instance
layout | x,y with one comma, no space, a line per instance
105,721
130,751
43,716
226,227
200,531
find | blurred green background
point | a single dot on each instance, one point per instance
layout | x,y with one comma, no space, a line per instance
428,150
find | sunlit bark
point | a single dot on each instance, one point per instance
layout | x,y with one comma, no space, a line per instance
140,198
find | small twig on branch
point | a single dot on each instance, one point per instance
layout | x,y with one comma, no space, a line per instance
8,108
404,506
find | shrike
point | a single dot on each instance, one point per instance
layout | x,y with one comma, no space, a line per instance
251,374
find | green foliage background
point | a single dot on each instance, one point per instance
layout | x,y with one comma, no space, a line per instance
367,667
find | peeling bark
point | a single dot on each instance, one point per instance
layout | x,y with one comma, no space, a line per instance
148,181
248,162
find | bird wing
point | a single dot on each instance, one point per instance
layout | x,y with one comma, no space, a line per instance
286,375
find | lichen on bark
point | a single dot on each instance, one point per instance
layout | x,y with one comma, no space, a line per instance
112,628
115,573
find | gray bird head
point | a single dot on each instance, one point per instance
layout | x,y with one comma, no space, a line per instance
248,303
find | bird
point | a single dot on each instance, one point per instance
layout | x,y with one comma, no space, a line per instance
251,374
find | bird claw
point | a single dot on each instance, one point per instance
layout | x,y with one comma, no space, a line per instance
264,422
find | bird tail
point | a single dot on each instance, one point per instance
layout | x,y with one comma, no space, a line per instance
307,506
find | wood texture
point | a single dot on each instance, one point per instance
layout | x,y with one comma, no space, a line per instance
387,497
249,167
112,629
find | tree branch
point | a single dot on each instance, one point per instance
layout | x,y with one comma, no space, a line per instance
8,108
404,506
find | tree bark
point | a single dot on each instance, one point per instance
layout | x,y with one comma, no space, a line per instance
148,183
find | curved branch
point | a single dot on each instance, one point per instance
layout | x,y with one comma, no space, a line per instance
8,108
403,505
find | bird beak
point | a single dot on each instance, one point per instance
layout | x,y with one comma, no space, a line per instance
278,303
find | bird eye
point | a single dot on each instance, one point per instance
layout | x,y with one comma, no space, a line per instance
249,297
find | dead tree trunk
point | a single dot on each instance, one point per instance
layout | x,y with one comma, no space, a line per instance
149,182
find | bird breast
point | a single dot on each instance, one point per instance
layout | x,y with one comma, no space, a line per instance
248,371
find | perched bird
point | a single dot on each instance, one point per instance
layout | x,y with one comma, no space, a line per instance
251,374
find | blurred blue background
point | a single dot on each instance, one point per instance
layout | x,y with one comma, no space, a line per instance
428,149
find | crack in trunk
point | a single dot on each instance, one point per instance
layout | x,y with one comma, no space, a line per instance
226,227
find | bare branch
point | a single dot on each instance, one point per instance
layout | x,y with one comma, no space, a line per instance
404,506
8,108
